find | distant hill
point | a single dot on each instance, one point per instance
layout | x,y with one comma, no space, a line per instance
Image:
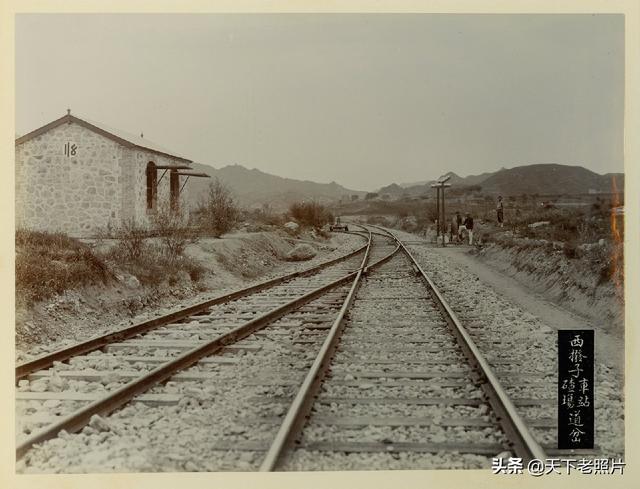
540,179
478,179
393,189
252,188
550,179
423,187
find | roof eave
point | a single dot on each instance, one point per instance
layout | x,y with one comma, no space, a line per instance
71,118
43,129
180,158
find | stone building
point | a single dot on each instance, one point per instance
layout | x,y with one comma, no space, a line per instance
80,177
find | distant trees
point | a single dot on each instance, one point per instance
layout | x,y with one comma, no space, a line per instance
370,195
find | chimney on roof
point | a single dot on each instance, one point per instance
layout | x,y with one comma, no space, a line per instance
68,111
142,135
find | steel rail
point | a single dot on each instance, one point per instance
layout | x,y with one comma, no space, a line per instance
112,401
97,342
524,444
299,409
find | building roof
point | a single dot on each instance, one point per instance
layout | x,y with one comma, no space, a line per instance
121,137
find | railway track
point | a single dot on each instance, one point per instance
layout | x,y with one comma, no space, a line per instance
368,358
525,361
99,375
402,379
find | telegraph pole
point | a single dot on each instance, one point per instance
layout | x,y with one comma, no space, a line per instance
437,212
440,185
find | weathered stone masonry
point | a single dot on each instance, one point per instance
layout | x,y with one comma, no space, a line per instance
82,189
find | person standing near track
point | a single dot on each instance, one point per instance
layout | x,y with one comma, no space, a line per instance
500,211
468,224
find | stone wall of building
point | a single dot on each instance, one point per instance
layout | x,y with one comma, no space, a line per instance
74,180
62,187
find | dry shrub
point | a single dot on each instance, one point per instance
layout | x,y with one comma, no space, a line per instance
50,263
131,239
171,227
263,219
155,267
310,214
266,215
217,212
154,255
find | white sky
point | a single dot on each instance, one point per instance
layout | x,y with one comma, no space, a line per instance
365,100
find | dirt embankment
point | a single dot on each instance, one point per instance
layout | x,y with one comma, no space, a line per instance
572,284
230,263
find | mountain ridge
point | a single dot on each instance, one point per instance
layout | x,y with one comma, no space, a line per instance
540,178
254,188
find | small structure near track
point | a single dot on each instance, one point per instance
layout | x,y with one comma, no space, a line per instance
78,177
338,226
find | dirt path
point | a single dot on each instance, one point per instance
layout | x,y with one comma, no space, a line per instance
609,349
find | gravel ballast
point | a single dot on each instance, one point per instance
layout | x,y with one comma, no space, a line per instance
530,345
228,409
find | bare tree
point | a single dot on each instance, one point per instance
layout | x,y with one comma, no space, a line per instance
217,212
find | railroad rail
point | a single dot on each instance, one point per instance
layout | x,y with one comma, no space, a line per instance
46,360
289,292
328,341
291,434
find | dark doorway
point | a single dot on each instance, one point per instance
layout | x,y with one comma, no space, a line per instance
152,185
174,184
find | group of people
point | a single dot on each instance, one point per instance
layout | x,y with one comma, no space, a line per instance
459,226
